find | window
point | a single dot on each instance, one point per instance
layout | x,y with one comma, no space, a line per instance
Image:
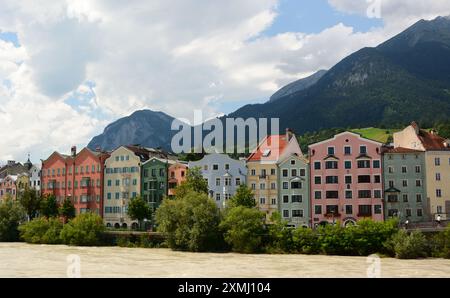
253,172
215,167
363,164
134,181
286,213
318,195
439,209
217,196
438,193
317,165
332,194
437,161
273,185
378,209
293,173
296,185
262,186
285,173
418,198
404,169
318,209
205,167
117,158
362,149
408,212
117,182
392,198
348,150
348,209
262,201
217,181
364,194
391,183
332,209
296,199
376,164
405,183
238,181
122,158
109,196
274,201
390,170
302,172
419,212
109,183
332,180
331,165
285,185
330,150
405,198
348,164
364,179
365,210
377,178
317,180
285,199
297,213
227,166
293,162
377,194
117,195
263,173
418,169
349,194
419,183
273,172
392,212
438,176
253,186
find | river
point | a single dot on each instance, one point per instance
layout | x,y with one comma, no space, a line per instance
25,260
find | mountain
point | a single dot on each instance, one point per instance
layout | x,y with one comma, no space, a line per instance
406,78
146,128
297,86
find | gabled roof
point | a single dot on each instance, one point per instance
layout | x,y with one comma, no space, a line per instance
432,141
274,145
343,134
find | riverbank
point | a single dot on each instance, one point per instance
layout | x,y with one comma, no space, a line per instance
26,260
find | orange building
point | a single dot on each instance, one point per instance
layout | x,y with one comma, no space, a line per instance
177,174
76,176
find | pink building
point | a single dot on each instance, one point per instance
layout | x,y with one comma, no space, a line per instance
177,175
346,179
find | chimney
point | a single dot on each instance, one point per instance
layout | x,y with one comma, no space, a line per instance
415,126
73,151
433,132
289,134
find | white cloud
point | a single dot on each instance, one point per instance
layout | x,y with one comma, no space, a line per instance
113,57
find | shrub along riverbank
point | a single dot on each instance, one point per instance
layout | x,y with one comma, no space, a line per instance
192,222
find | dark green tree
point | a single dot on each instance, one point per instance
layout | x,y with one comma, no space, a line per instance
31,202
11,215
243,197
194,182
49,206
139,210
67,210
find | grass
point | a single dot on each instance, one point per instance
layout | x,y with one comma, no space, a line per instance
376,134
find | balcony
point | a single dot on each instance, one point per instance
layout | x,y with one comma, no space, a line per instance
263,177
331,215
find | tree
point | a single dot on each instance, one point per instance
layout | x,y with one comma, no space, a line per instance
243,197
49,206
243,229
83,230
190,222
67,210
139,210
31,202
42,231
194,182
11,214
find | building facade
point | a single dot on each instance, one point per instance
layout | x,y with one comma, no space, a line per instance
122,183
263,170
177,175
437,165
405,193
346,180
154,181
78,177
35,177
223,174
293,195
8,187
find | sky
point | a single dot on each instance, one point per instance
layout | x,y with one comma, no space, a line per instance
70,67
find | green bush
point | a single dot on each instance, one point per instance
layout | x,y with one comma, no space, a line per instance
190,222
305,241
42,231
441,243
243,228
11,214
408,246
84,230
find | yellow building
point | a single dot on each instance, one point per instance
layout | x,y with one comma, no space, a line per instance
437,163
263,172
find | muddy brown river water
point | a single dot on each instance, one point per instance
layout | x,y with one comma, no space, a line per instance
24,260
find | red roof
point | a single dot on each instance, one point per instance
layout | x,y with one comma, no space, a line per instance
432,141
402,150
274,145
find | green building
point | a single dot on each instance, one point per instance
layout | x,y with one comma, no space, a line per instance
154,181
405,185
293,191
